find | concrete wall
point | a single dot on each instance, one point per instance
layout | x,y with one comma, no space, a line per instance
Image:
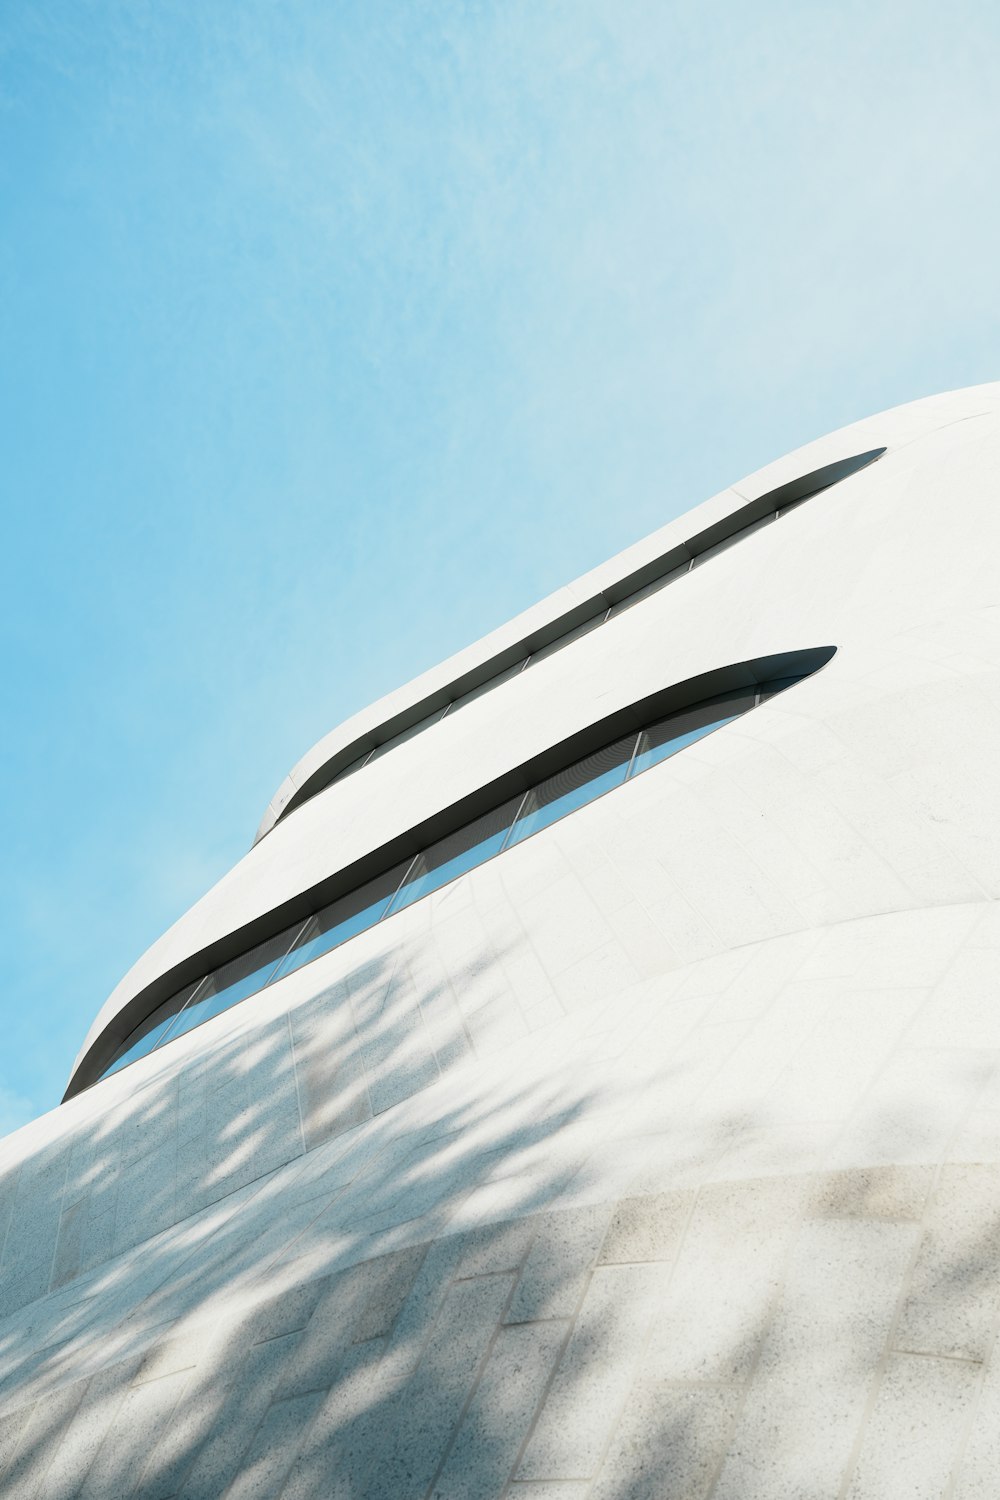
658,1157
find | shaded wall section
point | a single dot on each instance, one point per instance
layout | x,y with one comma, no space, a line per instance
658,1157
737,1228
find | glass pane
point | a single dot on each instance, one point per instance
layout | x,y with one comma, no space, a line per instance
679,730
731,541
355,765
149,1032
571,635
792,504
778,685
408,734
461,851
489,684
648,589
342,919
574,787
236,980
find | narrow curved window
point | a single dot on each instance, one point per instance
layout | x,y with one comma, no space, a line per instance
645,581
234,981
451,857
343,919
677,731
545,800
579,784
154,1029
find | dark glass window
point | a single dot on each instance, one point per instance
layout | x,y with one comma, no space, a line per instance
355,765
236,980
777,685
489,684
452,856
572,788
408,734
665,738
447,859
342,919
782,500
731,541
150,1032
570,635
650,588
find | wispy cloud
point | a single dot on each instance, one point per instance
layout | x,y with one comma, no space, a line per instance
336,334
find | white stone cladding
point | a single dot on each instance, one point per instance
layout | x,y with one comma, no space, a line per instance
658,1157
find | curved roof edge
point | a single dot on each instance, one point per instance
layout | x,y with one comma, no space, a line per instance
780,482
894,429
340,749
627,719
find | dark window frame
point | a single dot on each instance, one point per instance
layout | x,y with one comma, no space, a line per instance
760,679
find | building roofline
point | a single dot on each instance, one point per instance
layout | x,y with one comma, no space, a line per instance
337,751
210,919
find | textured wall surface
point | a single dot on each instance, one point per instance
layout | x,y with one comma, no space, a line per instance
659,1157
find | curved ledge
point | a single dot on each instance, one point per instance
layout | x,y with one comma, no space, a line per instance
239,943
320,767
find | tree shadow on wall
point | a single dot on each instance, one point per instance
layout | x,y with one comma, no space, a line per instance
265,1284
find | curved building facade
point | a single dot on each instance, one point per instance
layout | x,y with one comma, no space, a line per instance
588,1084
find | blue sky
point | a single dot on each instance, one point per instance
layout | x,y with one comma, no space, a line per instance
335,334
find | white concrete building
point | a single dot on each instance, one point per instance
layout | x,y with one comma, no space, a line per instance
655,1154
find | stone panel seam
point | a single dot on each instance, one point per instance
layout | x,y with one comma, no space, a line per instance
748,1383
296,1334
484,1361
55,1238
445,968
38,1414
426,1246
967,1427
899,1046
889,1347
976,1402
560,1353
668,1278
955,1359
10,1216
825,929
921,437
637,896
513,906
295,1075
175,1270
327,1202
491,1276
826,801
961,951
878,1374
682,896
767,876
543,1398
184,1390
900,803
